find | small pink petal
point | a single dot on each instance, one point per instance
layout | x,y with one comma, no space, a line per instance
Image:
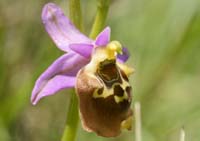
103,38
82,49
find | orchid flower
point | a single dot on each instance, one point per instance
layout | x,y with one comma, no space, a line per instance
94,67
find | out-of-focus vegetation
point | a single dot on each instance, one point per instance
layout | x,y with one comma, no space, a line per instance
163,37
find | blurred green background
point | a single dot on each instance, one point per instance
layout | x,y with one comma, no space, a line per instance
163,37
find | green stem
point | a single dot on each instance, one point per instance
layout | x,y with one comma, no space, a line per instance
75,13
99,22
72,120
70,130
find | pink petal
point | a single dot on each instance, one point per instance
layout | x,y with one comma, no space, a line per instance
103,38
67,66
60,28
82,49
54,85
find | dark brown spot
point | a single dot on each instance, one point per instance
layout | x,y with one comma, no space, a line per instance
125,104
107,69
118,90
100,91
108,72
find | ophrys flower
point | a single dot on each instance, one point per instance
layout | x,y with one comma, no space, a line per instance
101,80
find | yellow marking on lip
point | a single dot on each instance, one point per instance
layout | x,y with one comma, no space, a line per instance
108,92
119,99
124,84
100,54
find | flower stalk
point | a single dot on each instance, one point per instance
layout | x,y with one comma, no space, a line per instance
75,13
101,15
72,116
72,120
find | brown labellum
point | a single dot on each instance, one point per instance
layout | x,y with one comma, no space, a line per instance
104,98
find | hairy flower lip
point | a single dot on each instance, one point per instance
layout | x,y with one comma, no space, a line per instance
104,107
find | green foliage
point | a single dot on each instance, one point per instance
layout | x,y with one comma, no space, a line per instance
163,37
